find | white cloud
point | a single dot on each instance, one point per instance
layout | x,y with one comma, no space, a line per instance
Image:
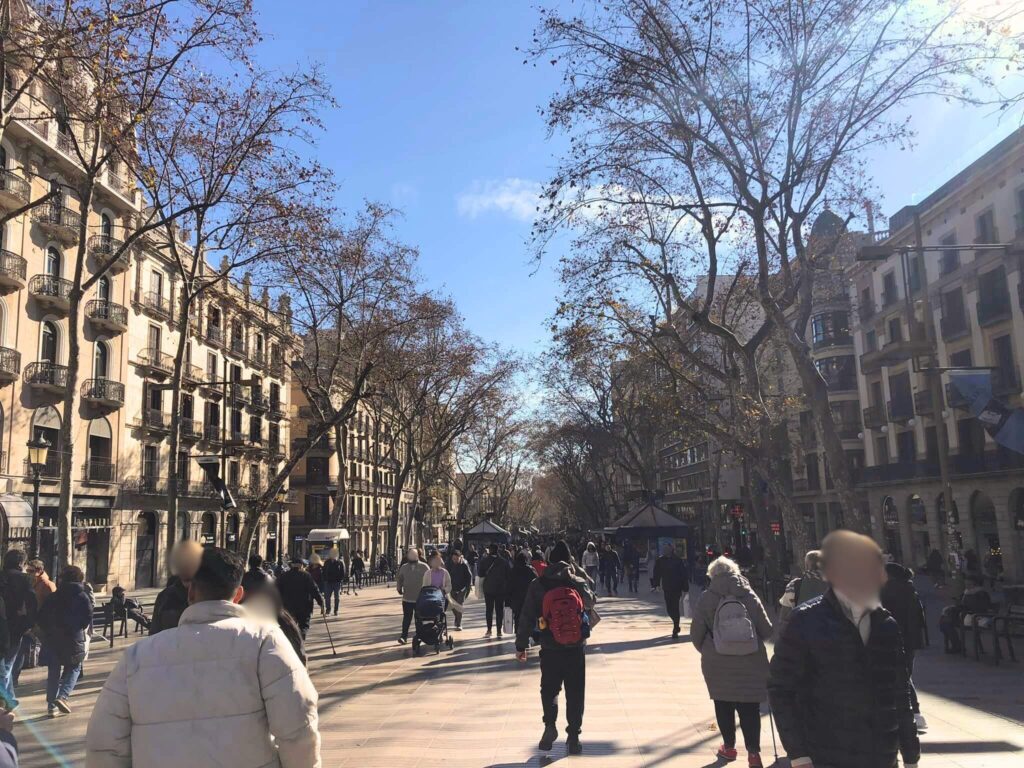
513,197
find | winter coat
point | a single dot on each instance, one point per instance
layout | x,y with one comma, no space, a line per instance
731,678
555,575
670,574
210,692
170,604
64,619
333,571
358,566
590,559
462,576
298,593
836,700
19,602
495,571
900,598
43,587
446,584
519,583
609,562
410,580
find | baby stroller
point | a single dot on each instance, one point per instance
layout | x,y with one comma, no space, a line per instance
431,621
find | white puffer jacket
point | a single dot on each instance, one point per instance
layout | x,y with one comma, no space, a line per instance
211,692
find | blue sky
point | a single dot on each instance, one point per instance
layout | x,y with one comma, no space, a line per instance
439,118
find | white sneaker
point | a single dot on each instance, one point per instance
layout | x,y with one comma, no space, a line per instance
920,722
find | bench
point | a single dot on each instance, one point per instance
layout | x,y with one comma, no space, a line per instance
1009,618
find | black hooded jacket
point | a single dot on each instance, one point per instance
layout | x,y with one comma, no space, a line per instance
836,700
899,597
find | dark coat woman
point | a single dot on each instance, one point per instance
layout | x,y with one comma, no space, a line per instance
64,622
519,581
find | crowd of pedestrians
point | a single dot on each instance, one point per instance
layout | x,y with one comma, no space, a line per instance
839,682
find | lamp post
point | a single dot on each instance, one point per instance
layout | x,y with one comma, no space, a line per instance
282,494
38,450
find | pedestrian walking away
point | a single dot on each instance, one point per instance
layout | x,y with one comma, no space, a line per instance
591,562
838,685
223,688
299,593
358,569
173,599
631,567
670,574
19,614
559,606
519,583
495,570
28,654
610,565
63,623
462,583
333,574
729,629
264,604
409,582
802,589
256,577
899,597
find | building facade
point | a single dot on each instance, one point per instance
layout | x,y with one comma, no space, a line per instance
127,334
952,305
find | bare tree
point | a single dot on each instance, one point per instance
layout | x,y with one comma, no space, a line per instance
708,135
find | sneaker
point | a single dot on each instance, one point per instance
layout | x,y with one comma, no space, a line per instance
62,705
573,746
548,739
403,640
675,632
51,711
920,722
727,753
487,633
754,760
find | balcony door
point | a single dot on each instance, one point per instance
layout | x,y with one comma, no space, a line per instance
154,338
53,262
101,361
99,461
48,343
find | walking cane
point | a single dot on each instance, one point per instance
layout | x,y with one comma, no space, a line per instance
771,722
327,626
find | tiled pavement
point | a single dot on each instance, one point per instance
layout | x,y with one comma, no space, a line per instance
476,707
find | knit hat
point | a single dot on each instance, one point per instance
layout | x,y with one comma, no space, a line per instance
560,553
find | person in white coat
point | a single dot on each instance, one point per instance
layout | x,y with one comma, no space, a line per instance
222,688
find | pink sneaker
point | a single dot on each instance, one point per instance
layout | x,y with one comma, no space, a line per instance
727,753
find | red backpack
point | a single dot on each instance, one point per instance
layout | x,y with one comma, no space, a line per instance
562,610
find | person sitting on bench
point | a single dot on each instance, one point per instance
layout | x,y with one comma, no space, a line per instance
123,606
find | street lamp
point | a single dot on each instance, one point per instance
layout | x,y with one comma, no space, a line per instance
38,451
282,494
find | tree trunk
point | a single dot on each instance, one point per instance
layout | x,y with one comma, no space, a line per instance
174,438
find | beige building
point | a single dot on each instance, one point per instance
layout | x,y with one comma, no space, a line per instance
965,306
372,457
121,425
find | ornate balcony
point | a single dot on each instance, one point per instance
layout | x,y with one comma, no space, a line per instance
14,190
894,353
99,471
154,362
58,221
875,416
149,485
103,392
214,336
237,347
47,377
51,292
107,315
212,433
191,429
239,393
923,405
156,304
258,401
275,410
103,247
13,269
10,365
901,409
192,375
156,420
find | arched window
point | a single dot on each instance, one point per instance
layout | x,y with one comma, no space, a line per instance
103,288
48,342
101,360
106,226
53,262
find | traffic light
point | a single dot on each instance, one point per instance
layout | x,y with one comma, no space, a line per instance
211,466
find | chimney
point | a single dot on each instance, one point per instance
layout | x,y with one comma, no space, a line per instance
869,209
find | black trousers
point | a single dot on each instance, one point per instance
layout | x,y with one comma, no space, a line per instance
672,606
303,622
750,723
563,667
408,611
494,604
915,704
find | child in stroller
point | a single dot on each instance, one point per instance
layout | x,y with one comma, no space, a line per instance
431,621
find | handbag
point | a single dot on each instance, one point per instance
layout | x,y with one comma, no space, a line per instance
687,611
507,621
478,591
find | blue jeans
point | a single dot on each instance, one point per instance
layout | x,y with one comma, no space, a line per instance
60,681
6,676
332,588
